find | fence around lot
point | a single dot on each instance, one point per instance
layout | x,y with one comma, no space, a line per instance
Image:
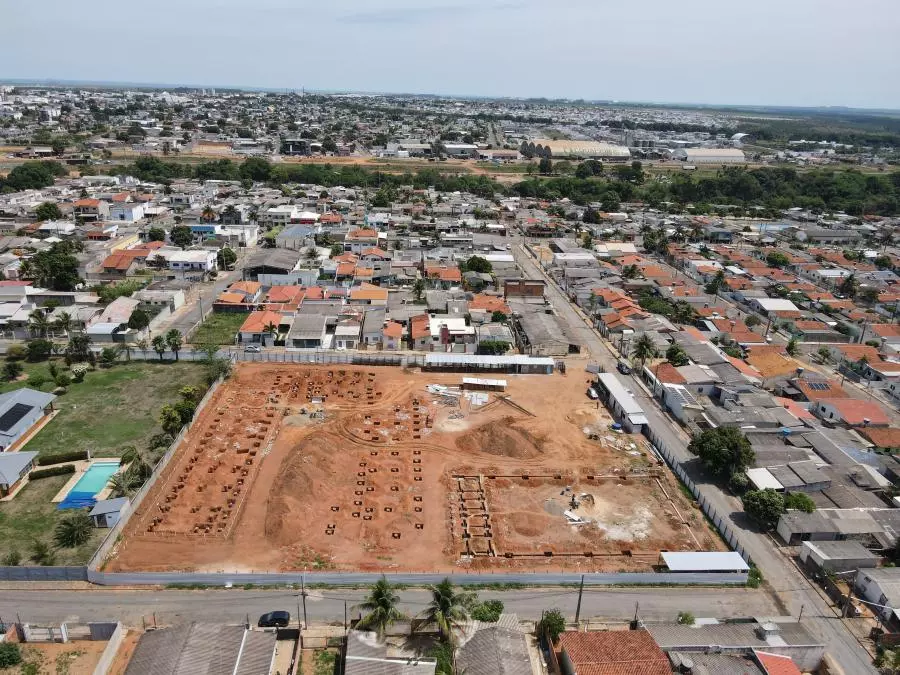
721,524
35,573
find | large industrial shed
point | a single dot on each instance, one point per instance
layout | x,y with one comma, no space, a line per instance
621,403
711,156
545,147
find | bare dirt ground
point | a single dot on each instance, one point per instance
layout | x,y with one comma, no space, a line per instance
51,658
387,476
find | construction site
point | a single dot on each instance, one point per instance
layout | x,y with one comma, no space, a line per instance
357,468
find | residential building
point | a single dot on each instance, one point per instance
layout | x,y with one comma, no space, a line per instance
620,651
20,410
14,469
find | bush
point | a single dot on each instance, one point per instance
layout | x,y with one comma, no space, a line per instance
799,501
754,577
554,623
738,483
79,370
42,554
71,456
38,350
63,380
488,611
74,530
12,559
15,352
685,618
37,474
12,370
36,380
10,654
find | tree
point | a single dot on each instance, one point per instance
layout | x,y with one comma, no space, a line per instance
868,295
10,654
545,166
63,323
553,623
493,347
38,324
848,286
677,356
488,611
630,272
329,145
380,607
79,349
752,320
170,420
255,169
73,530
418,289
48,211
644,349
498,317
824,354
159,345
610,201
715,284
723,451
12,370
208,214
764,507
181,235
226,258
55,268
139,319
109,356
478,264
799,501
685,619
776,259
792,347
156,234
174,341
38,350
448,609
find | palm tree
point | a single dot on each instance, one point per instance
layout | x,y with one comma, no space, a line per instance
448,610
380,607
208,214
120,485
644,349
63,323
38,323
683,312
159,345
174,340
73,530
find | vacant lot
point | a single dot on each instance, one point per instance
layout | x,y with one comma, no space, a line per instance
114,408
218,329
394,476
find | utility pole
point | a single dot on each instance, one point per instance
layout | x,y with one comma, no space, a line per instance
345,617
303,595
578,606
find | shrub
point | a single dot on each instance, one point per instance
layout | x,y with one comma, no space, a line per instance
685,618
554,623
738,483
10,654
489,611
754,577
42,554
71,456
12,559
39,349
73,530
37,474
79,370
36,380
12,370
63,380
15,352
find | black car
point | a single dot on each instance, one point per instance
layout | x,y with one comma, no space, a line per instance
623,368
274,620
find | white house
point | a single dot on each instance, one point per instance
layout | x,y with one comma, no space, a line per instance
278,215
128,212
192,261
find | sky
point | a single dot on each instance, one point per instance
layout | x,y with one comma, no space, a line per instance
759,52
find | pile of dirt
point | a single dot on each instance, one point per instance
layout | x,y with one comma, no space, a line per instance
501,438
294,481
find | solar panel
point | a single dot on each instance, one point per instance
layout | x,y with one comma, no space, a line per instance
818,386
11,417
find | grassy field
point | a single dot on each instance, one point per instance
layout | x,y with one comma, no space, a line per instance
31,515
109,410
219,328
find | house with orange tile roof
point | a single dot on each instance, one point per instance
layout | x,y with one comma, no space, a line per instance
374,253
443,276
888,333
392,335
285,297
125,263
261,328
420,332
358,240
887,438
772,366
90,210
619,652
483,306
369,295
851,412
813,389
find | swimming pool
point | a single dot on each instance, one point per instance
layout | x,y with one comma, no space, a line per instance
91,482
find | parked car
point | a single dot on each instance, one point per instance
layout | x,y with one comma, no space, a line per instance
277,619
253,349
592,393
623,368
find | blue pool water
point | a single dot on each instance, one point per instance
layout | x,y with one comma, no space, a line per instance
91,482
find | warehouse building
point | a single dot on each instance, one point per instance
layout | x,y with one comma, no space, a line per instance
545,147
710,156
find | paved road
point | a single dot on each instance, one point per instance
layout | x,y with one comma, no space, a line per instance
791,588
185,318
171,606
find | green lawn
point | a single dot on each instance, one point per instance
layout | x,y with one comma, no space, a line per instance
219,328
31,515
114,408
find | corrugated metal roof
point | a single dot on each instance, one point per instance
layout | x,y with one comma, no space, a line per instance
617,390
484,359
704,561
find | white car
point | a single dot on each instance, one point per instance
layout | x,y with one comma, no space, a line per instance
253,349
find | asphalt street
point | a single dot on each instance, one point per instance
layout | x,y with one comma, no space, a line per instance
791,588
135,608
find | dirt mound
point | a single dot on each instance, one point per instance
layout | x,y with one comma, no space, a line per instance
501,438
527,524
295,480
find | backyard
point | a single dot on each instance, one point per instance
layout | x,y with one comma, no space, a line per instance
218,329
109,410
